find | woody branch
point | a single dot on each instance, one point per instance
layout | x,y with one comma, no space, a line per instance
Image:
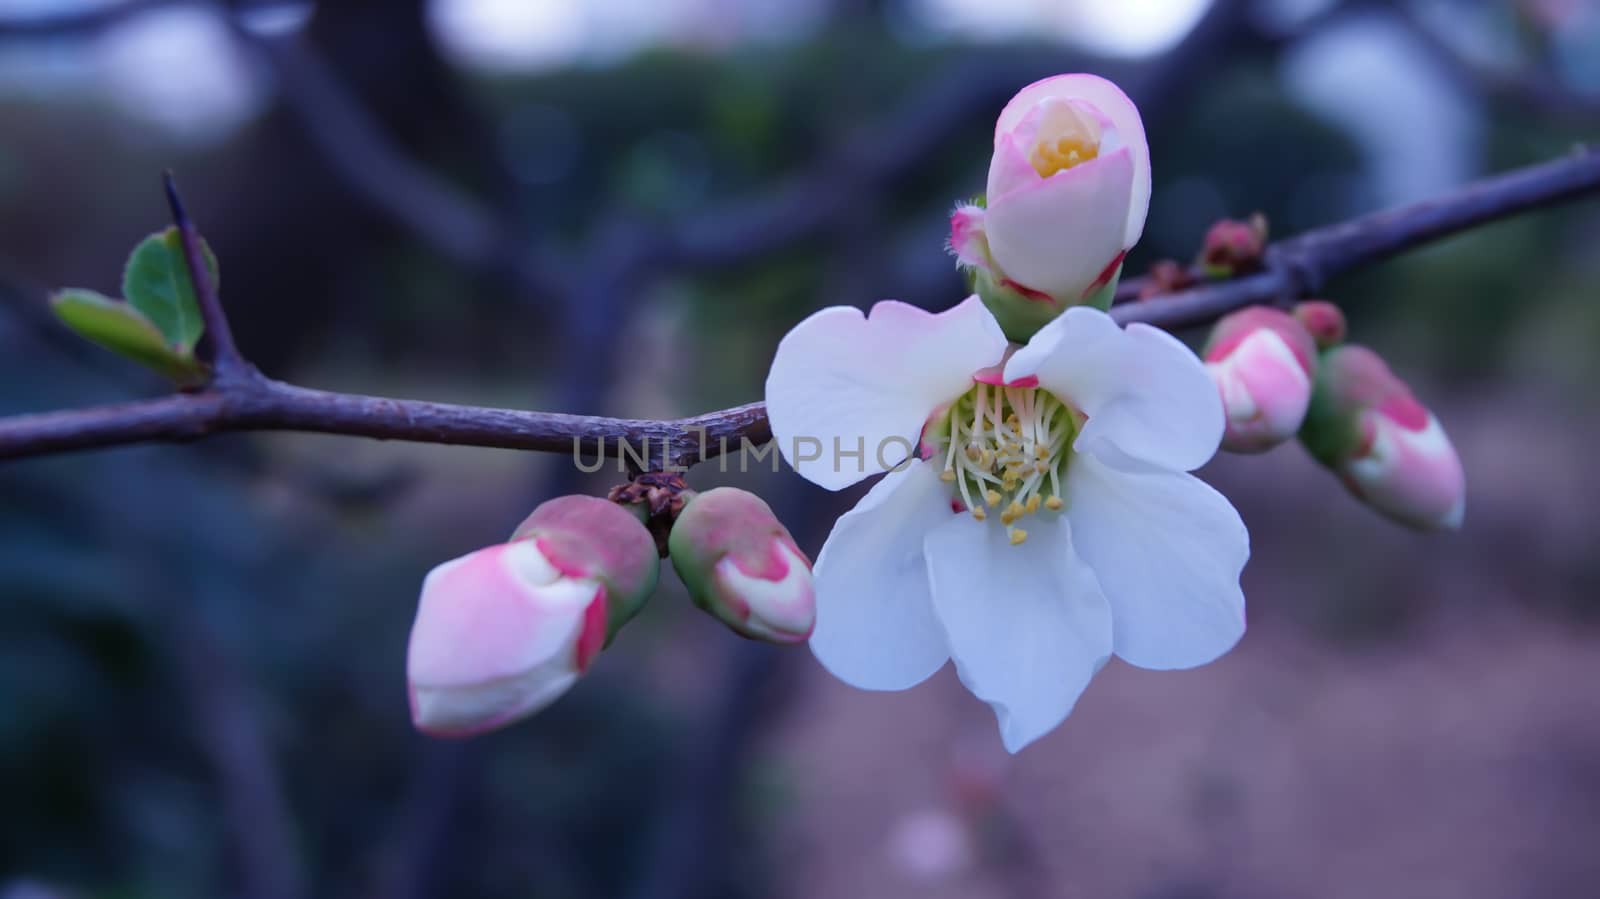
243,399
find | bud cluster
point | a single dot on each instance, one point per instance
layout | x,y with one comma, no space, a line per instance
506,630
1282,375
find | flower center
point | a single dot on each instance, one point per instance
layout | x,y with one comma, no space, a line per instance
1067,136
1005,451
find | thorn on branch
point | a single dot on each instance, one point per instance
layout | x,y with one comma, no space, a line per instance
216,345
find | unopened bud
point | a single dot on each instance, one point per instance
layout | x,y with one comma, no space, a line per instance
1263,363
1166,276
1066,198
741,565
503,632
1387,448
1323,321
1234,247
589,537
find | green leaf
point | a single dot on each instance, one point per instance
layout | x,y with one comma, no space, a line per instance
119,327
156,282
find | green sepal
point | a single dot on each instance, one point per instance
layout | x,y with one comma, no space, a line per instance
1106,294
1329,432
123,329
1021,316
156,282
591,537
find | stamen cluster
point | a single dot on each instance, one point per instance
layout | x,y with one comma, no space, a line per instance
1005,451
1061,154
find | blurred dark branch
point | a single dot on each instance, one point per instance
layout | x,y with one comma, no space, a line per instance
703,785
1526,90
1297,267
77,22
351,141
804,206
590,347
230,733
965,95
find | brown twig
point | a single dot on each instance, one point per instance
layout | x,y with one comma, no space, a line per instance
1303,265
261,404
1295,268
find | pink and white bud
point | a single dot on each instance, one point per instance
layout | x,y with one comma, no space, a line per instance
1068,190
1387,448
1263,363
1410,470
503,632
741,565
499,634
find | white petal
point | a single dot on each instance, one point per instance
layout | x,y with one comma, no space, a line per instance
1058,235
848,394
1009,170
1114,105
1027,625
1167,550
875,624
1146,395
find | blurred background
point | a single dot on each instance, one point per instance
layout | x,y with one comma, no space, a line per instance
613,206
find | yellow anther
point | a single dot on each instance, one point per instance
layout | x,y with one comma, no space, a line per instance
1033,504
948,475
979,513
1016,510
1067,136
973,453
1063,154
1054,504
1041,451
992,497
1017,536
988,459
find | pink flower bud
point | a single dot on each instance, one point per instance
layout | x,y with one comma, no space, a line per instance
741,565
1323,320
1068,190
586,536
1263,363
1234,247
1386,447
502,632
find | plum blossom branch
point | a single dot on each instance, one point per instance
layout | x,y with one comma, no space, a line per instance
1295,268
1303,265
